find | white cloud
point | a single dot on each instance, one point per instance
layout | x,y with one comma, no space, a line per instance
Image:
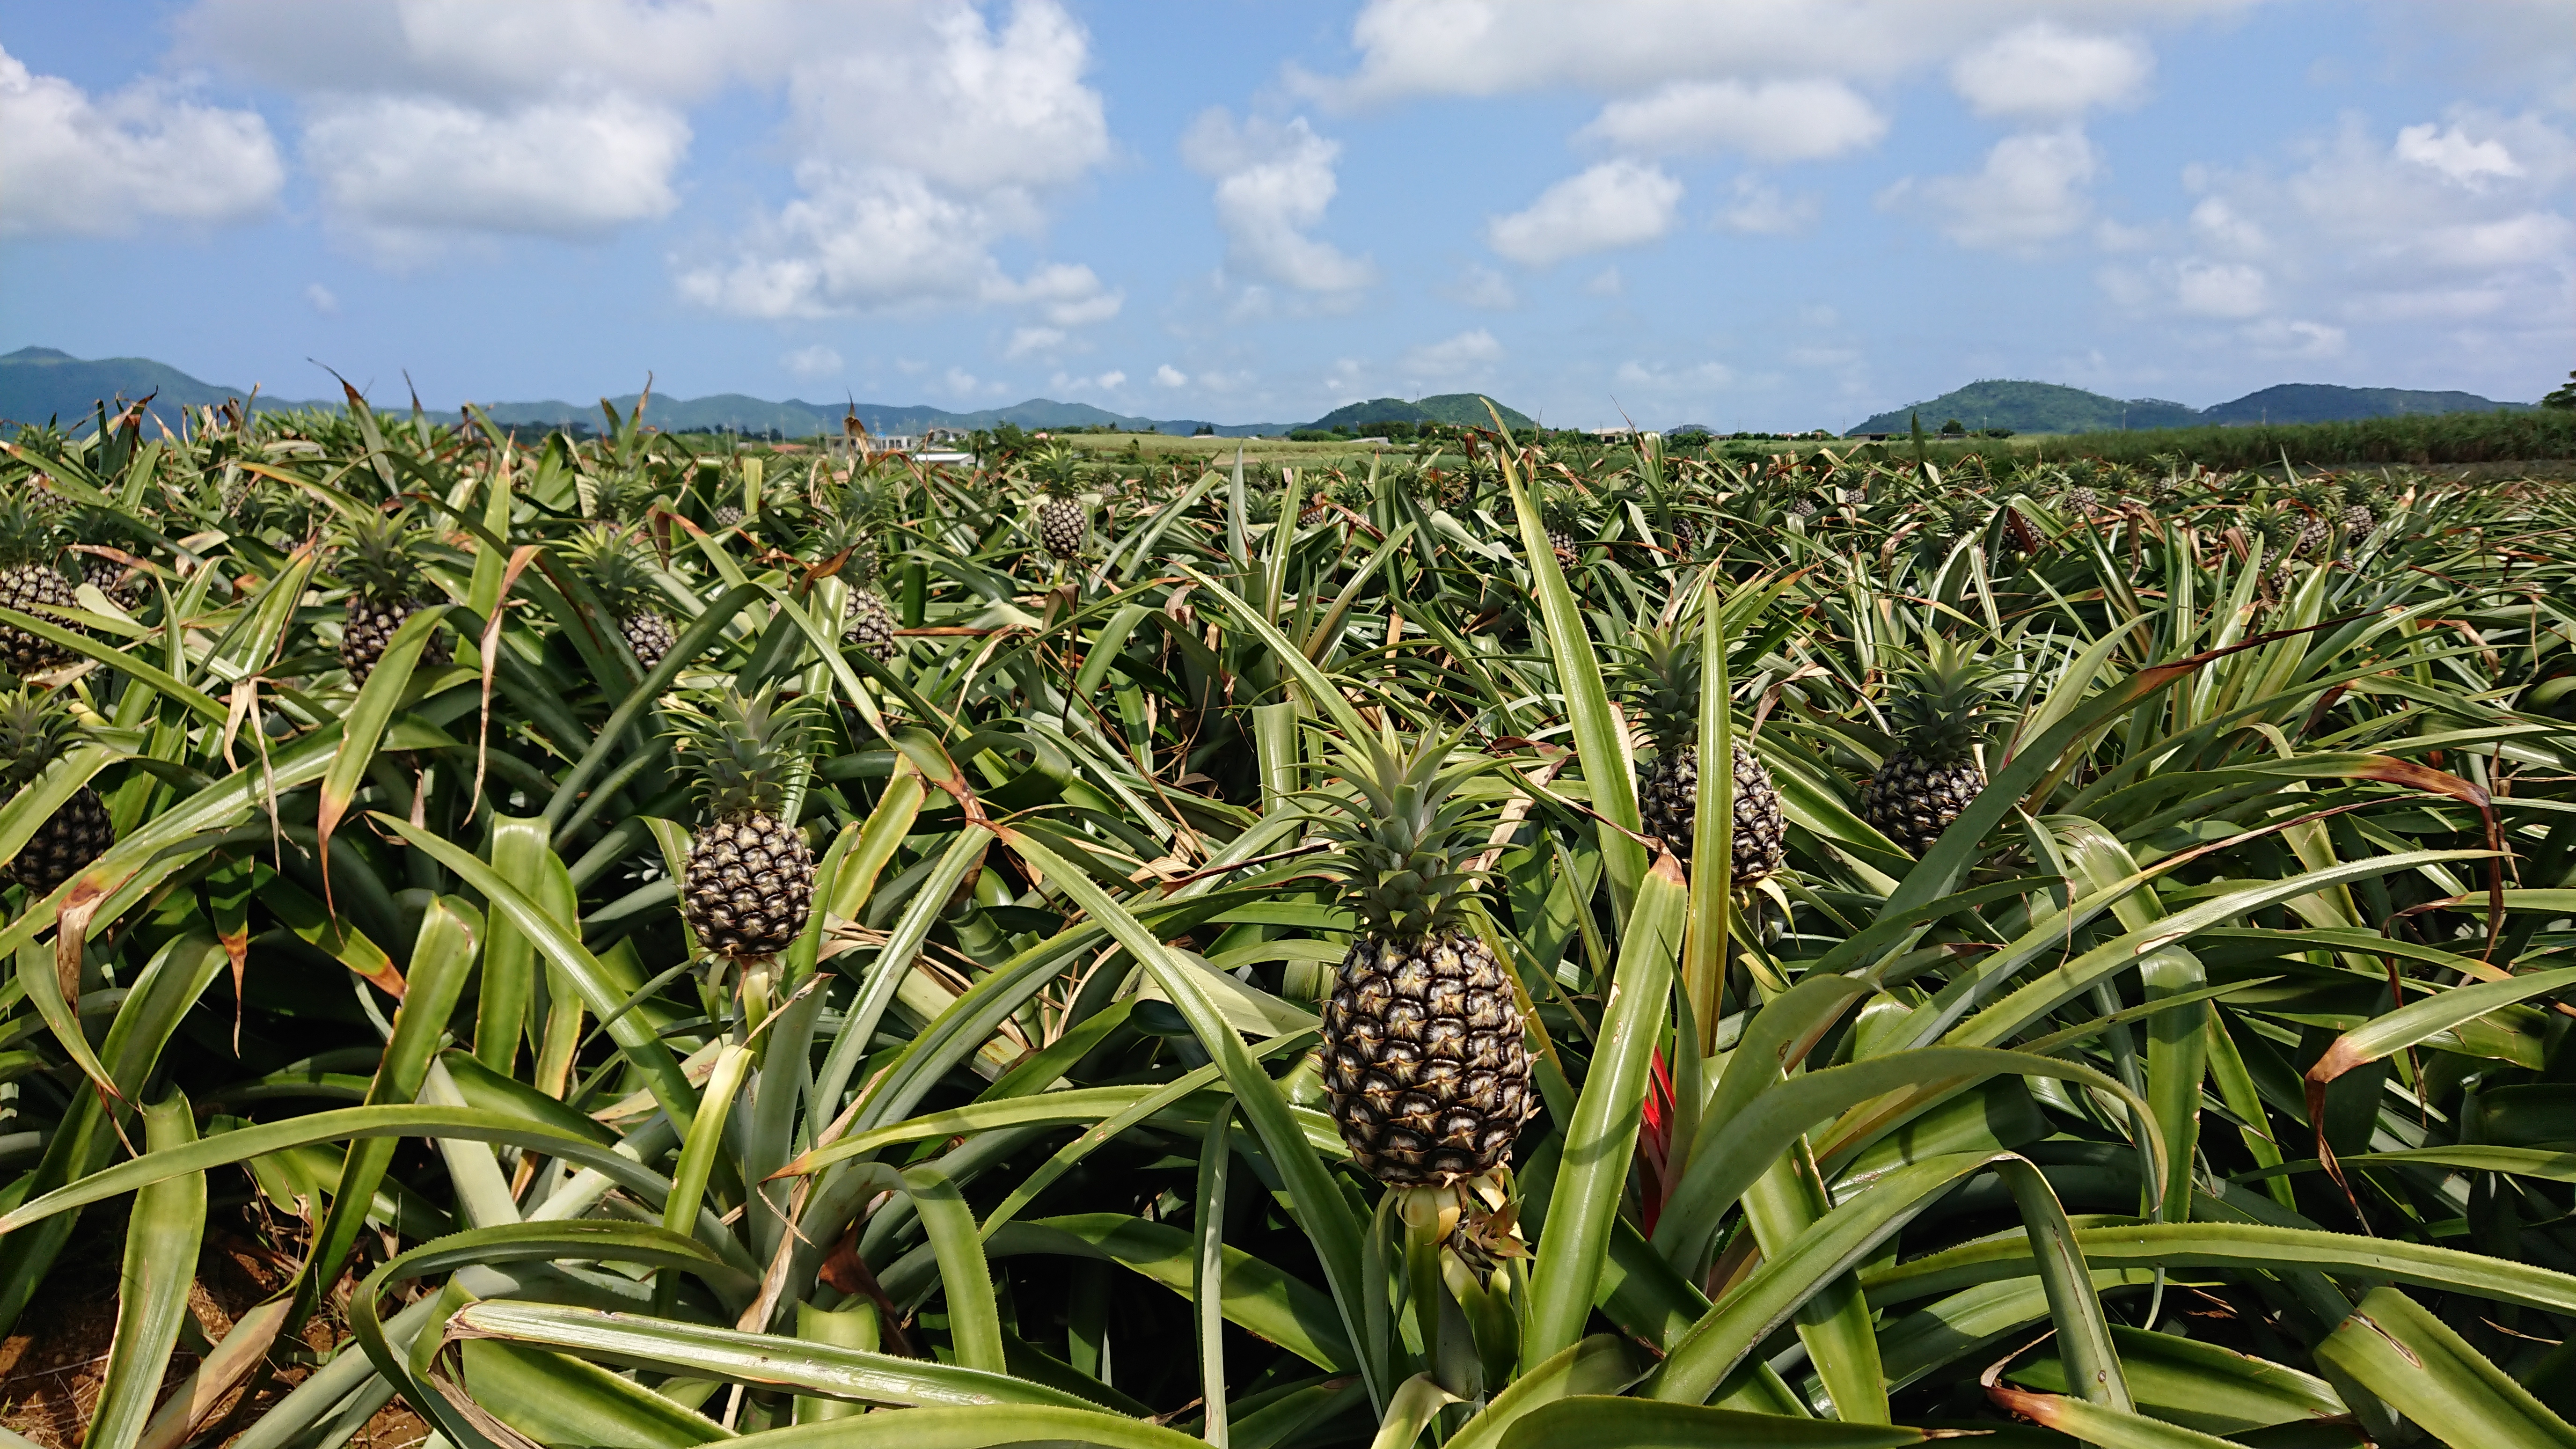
2455,155
1789,120
2221,289
1483,287
1606,283
106,166
1109,381
1760,209
1615,204
1626,47
406,169
2462,223
921,133
1273,183
1670,385
2042,71
1026,340
967,385
322,300
1468,356
2030,191
1170,376
2277,338
818,360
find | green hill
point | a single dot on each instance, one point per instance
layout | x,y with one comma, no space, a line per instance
2034,407
2046,407
1457,409
2317,402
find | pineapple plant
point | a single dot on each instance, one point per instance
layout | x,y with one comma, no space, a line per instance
748,885
867,620
31,583
380,562
1426,1070
1932,774
105,528
615,565
1662,671
1557,513
35,729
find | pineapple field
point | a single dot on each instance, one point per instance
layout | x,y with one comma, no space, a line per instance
646,944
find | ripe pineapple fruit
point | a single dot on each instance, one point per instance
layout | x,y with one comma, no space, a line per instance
1425,1067
1932,774
31,583
34,731
1063,521
617,572
380,561
1663,670
748,885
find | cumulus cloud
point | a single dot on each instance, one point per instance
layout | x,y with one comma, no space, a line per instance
2032,190
818,360
1170,376
102,166
1628,47
1615,204
1027,340
322,300
1109,381
1464,358
1760,209
1783,120
1273,183
1483,287
2460,221
922,133
2043,71
406,169
1663,380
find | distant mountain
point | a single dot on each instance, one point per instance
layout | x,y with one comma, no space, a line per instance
1457,409
2034,407
2046,407
38,384
2317,402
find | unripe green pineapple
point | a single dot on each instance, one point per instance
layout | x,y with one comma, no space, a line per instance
749,882
1662,670
867,620
1564,524
35,730
1425,1065
32,582
619,574
1932,774
380,562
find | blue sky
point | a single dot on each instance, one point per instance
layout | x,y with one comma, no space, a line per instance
1746,213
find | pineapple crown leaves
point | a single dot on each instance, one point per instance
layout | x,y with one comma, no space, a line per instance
1943,712
35,729
1661,670
27,530
615,564
1403,832
1057,469
742,752
379,556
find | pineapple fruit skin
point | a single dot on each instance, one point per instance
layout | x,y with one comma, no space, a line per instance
34,588
868,622
70,839
1668,803
1061,525
649,634
1912,800
749,885
369,627
1426,1067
